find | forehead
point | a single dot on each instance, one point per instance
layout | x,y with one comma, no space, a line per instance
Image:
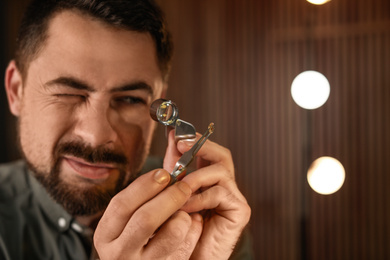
80,45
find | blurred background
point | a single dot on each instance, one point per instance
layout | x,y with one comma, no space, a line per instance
234,65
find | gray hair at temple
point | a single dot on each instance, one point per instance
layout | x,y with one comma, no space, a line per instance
134,15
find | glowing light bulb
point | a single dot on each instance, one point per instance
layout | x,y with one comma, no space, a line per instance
310,89
326,175
318,2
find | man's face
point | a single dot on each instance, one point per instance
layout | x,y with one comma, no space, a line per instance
84,119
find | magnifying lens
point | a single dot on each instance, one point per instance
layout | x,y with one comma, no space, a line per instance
164,111
167,113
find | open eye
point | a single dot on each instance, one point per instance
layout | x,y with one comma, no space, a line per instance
130,100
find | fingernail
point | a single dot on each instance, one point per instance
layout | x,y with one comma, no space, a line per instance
184,188
162,176
188,142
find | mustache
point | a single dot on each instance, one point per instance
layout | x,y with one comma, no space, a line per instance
90,154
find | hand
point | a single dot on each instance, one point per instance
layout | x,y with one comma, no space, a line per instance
144,221
215,194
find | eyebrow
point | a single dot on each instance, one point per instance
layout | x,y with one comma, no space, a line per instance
80,85
138,85
70,82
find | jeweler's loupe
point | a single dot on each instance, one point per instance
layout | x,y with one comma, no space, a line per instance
167,113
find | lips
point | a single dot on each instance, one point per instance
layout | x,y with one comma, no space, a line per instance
88,170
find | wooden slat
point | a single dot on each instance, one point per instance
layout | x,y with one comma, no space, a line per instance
234,63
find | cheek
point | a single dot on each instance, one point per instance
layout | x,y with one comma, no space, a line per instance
40,129
136,134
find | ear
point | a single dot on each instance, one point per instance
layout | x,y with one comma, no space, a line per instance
14,88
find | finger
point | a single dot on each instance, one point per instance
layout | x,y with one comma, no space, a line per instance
171,153
223,201
225,216
210,151
212,175
188,245
201,163
215,174
150,216
126,202
169,237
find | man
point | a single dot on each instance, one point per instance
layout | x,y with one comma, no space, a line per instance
84,76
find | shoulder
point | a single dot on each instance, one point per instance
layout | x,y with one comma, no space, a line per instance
13,190
13,179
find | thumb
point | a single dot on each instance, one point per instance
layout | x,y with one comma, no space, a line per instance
171,153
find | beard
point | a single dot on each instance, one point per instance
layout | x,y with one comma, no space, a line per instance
93,198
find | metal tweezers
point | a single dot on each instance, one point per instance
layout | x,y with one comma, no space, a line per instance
181,166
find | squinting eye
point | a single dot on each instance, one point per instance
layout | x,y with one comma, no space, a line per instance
70,96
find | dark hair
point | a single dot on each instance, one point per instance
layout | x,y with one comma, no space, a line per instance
135,15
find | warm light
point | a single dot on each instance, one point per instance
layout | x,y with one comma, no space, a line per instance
318,2
310,89
326,175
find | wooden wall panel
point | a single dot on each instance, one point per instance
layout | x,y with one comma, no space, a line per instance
237,59
234,64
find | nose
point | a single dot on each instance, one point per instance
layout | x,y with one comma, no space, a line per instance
94,125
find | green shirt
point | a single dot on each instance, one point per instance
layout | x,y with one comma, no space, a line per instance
33,226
